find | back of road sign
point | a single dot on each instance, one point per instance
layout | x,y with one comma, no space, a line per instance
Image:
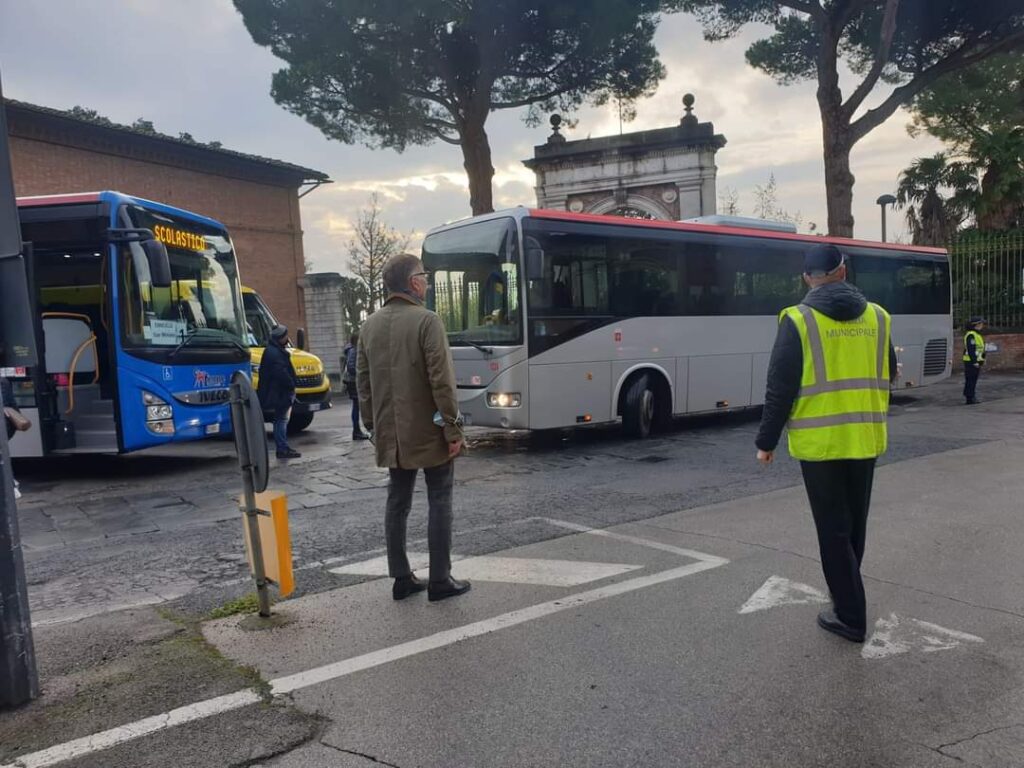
275,541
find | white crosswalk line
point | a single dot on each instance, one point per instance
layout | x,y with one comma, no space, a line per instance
510,570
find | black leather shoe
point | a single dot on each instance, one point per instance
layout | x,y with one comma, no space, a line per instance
360,436
828,621
441,590
289,454
407,585
973,402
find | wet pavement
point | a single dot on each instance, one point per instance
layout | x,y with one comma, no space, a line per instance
102,533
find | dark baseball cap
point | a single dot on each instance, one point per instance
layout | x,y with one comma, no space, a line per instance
822,260
976,320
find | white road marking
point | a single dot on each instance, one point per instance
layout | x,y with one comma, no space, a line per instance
779,591
650,544
290,683
111,738
896,634
510,570
447,637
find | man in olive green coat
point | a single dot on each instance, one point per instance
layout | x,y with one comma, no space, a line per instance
404,376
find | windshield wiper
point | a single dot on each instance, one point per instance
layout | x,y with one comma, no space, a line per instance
198,331
481,347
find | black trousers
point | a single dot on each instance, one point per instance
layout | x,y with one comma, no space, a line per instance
971,373
440,481
840,494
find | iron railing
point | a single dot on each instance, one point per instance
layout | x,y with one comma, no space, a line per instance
988,278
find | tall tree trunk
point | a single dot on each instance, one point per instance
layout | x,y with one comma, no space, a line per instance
476,155
995,209
837,144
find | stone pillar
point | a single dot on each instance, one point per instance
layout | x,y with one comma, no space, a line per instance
325,331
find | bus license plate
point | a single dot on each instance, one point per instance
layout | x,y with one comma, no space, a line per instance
213,429
314,407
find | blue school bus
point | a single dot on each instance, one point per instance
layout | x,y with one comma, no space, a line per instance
139,322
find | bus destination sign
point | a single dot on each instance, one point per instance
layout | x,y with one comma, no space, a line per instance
179,238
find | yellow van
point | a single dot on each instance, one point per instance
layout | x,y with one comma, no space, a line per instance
313,392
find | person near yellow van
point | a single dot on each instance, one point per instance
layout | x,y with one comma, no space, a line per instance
277,388
348,376
974,358
828,381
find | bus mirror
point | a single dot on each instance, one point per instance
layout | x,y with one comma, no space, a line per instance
159,263
535,264
300,338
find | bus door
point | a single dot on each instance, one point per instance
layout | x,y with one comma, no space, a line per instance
75,381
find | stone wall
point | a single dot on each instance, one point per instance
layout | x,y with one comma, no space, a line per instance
325,329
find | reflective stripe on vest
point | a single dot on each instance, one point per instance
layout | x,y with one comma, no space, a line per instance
840,410
979,347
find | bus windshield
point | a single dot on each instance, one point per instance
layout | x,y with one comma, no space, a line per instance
474,282
203,304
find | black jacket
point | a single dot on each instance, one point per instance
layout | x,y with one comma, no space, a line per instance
840,301
277,379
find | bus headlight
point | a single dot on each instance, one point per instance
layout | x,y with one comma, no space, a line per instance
504,400
148,398
159,414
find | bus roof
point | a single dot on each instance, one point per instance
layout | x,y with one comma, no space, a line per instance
522,212
110,196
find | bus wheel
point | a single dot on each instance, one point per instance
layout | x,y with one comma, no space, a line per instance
638,408
299,421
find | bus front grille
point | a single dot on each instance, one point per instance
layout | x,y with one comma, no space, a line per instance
936,353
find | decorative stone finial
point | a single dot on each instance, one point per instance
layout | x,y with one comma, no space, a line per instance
689,119
556,137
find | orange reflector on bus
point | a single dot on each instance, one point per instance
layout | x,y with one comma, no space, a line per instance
586,418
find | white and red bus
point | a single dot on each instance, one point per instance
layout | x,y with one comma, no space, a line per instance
557,319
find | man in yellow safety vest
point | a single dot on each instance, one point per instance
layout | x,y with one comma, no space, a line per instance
828,382
974,358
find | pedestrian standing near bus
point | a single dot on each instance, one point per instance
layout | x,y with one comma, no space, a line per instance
405,375
974,358
348,363
14,420
277,388
828,383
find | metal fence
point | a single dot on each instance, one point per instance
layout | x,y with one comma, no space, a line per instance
988,278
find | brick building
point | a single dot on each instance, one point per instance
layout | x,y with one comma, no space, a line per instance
256,198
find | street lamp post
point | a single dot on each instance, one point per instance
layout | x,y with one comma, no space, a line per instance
883,201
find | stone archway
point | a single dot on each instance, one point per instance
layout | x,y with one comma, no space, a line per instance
665,173
645,207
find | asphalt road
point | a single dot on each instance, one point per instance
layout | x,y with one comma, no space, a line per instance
634,604
162,526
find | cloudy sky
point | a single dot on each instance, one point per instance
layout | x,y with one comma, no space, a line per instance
190,65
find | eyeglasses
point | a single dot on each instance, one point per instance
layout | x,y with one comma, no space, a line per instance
419,274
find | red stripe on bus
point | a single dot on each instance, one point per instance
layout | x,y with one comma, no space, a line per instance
83,197
718,229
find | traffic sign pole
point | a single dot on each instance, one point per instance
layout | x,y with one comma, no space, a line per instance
242,416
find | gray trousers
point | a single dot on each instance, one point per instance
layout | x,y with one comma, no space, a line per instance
439,522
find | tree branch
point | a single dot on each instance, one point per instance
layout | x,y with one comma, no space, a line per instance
525,102
443,136
902,95
881,58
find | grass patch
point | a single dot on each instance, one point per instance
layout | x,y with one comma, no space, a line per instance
246,604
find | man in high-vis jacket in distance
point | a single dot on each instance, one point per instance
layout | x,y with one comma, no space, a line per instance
828,383
974,358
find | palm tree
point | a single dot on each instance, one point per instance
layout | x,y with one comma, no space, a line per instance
932,218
